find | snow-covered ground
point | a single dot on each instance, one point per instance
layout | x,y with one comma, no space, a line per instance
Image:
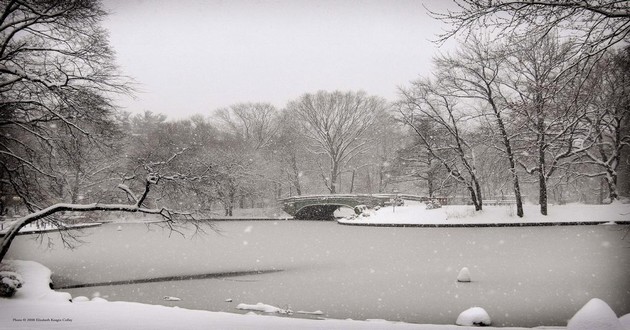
35,306
416,213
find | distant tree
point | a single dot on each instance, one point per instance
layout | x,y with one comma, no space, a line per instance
254,123
378,162
337,125
289,149
414,162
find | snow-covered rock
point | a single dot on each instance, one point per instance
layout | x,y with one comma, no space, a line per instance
464,275
80,299
474,316
596,314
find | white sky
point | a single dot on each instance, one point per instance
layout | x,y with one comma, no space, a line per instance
195,56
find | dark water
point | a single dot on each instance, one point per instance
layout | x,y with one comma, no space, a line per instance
521,276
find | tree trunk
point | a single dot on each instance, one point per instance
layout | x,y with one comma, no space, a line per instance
333,178
510,156
611,180
542,197
542,175
296,178
354,172
430,175
473,198
517,195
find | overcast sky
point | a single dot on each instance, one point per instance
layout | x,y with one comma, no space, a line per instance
195,56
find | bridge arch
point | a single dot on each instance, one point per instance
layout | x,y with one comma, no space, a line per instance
322,207
318,211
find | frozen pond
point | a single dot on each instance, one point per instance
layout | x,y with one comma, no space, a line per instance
527,276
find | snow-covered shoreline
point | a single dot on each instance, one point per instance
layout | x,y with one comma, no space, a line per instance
416,214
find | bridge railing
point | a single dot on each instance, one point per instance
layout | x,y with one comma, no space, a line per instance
384,197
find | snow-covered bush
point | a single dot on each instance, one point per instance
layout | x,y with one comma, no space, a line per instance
433,205
9,283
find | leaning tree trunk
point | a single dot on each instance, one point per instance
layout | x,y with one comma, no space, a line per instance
474,198
7,239
510,156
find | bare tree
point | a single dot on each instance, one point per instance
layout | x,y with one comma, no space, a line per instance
597,25
609,119
337,125
474,72
435,117
57,75
550,102
56,69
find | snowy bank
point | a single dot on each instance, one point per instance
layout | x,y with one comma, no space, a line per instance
417,214
36,306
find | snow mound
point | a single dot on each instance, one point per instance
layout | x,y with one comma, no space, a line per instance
474,316
596,314
464,275
260,307
625,321
38,279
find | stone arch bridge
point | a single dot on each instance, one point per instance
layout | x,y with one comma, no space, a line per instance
322,207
